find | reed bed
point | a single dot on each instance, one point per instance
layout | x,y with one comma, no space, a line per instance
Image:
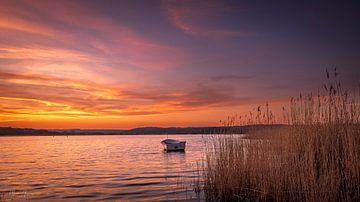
315,157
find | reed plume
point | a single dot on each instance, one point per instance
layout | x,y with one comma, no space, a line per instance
315,157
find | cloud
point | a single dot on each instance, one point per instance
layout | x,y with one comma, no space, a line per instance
230,77
70,30
28,99
207,96
193,17
65,60
32,96
55,56
38,53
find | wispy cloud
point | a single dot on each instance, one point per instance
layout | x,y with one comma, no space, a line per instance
230,77
29,96
193,17
60,28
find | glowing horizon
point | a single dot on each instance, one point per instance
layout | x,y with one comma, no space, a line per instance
94,64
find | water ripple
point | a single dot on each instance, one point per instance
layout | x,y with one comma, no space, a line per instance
101,168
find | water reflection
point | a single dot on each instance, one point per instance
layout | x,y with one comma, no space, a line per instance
98,168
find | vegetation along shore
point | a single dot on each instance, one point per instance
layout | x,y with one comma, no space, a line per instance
315,158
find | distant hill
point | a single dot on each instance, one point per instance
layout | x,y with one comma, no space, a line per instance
197,130
9,131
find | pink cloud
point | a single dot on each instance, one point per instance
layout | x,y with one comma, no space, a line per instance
191,17
77,27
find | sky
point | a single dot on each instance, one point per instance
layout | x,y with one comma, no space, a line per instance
125,64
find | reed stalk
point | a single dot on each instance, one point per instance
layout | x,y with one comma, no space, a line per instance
315,157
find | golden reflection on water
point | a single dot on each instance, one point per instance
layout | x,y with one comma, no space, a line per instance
97,168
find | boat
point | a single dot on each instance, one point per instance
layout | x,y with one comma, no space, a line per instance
173,145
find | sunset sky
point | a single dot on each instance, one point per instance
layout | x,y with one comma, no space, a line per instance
125,64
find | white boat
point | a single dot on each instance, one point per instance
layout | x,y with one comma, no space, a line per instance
173,145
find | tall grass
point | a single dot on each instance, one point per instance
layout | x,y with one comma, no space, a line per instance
315,158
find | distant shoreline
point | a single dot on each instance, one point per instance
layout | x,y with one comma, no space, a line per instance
57,135
9,131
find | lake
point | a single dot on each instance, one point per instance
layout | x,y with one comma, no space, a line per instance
117,168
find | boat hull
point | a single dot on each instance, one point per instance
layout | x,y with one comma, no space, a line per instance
180,146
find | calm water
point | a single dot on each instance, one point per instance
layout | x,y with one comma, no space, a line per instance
98,168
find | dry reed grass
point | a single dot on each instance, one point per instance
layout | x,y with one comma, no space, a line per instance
315,158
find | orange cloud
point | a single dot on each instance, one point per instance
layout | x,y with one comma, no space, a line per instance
45,53
45,101
28,97
33,98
